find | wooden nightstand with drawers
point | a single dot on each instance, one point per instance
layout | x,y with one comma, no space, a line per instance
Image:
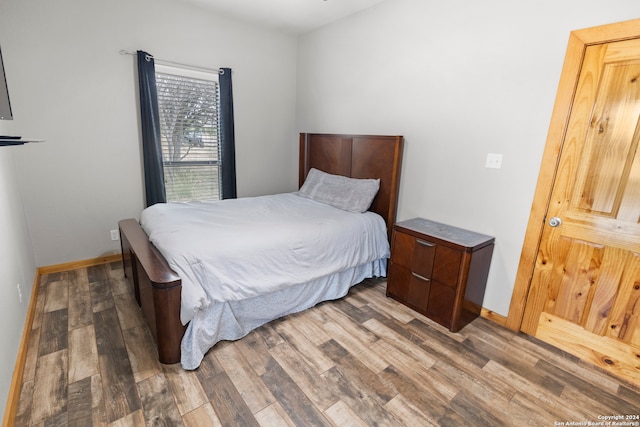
439,270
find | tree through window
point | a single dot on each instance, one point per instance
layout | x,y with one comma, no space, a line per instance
188,104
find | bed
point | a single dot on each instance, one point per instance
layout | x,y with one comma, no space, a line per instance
188,311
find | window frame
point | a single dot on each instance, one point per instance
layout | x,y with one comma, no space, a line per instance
195,74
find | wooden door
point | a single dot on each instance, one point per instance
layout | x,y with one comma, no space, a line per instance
583,294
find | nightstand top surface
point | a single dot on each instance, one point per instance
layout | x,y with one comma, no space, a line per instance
447,233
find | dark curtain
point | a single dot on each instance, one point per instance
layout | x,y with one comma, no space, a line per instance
228,149
150,122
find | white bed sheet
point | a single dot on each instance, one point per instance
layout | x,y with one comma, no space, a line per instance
238,249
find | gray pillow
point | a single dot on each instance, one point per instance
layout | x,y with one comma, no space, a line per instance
349,194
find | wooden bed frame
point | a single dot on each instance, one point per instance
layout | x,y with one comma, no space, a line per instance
157,288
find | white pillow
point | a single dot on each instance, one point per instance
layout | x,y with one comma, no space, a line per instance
349,194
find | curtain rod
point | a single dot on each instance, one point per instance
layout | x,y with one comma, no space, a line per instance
164,62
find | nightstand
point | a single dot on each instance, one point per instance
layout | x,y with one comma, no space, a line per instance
439,270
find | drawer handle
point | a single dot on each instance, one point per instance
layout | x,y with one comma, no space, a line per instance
423,243
421,277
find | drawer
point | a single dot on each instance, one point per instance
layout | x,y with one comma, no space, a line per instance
440,304
415,254
408,287
398,280
447,266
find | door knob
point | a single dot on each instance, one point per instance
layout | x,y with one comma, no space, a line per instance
555,221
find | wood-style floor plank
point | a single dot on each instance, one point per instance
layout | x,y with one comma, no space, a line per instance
54,332
340,414
143,356
32,356
80,307
408,413
24,417
83,353
367,401
431,405
187,390
80,404
255,351
362,379
532,393
565,361
120,395
204,416
274,416
100,288
254,393
98,410
514,361
57,297
49,397
476,412
310,327
302,345
315,387
296,403
364,360
356,342
157,400
227,401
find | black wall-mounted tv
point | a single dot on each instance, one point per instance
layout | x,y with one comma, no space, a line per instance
5,105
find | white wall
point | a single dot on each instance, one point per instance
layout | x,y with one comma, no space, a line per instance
17,264
459,79
70,86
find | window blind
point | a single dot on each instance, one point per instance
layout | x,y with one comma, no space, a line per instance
190,137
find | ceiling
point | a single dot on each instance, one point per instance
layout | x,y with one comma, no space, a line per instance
292,16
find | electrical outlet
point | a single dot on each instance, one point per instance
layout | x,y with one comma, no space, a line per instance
494,161
115,235
19,293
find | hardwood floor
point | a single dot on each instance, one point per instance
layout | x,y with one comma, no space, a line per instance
364,360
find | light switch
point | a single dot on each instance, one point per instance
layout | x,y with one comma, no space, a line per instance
494,161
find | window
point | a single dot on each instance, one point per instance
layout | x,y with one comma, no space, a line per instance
188,104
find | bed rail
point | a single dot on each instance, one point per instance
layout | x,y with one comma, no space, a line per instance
157,289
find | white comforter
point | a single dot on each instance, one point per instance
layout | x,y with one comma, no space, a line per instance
237,249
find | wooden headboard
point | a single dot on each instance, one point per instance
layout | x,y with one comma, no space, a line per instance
358,156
